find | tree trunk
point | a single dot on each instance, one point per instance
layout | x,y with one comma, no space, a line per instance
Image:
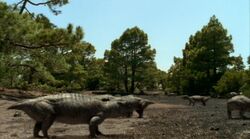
30,79
132,89
23,6
126,79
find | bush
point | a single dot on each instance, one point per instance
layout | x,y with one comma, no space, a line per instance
231,81
246,87
41,88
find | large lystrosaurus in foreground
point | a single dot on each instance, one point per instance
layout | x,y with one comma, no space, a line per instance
75,109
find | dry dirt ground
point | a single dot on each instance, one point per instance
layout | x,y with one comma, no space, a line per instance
169,118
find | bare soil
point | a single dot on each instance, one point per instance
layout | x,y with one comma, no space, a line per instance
169,118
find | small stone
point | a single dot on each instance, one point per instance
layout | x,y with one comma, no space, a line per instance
17,114
214,128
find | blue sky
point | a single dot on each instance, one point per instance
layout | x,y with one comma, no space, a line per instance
168,23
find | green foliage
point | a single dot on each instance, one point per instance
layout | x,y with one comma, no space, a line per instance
151,78
174,76
231,81
246,87
95,79
34,52
237,63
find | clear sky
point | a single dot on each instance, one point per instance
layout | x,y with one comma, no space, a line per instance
168,23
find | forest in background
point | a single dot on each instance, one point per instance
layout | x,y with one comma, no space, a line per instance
35,54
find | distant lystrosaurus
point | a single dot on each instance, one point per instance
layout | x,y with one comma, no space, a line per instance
196,98
78,109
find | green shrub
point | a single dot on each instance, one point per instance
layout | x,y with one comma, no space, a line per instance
231,81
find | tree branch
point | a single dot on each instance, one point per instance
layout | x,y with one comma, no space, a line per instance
37,47
16,5
40,3
23,6
31,46
23,65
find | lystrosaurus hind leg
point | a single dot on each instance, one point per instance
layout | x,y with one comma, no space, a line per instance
46,125
37,128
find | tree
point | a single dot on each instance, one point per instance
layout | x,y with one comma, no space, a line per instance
174,76
206,57
35,53
95,78
127,56
208,53
76,57
150,77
